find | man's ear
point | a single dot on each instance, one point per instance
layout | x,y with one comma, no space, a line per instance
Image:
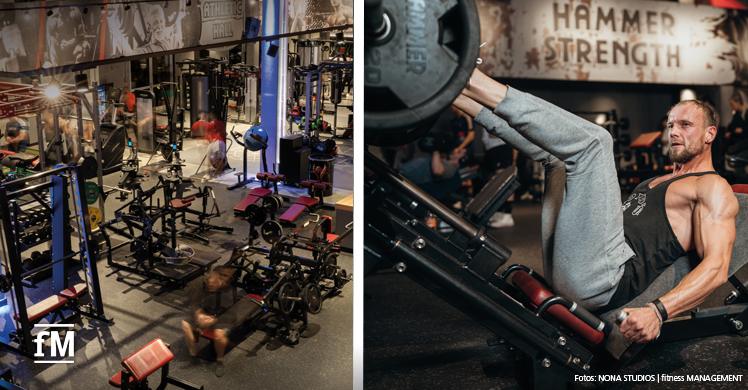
711,134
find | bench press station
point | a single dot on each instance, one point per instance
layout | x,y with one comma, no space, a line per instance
317,189
556,337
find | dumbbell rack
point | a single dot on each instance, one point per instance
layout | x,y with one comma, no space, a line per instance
61,183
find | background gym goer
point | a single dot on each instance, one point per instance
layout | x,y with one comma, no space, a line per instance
209,304
737,131
16,135
592,252
216,137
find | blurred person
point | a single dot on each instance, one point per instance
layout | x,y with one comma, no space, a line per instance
16,135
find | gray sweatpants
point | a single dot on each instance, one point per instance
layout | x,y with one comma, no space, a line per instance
582,223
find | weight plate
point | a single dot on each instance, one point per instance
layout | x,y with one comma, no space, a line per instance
330,264
418,70
341,279
256,215
285,292
312,298
271,231
270,203
92,192
94,217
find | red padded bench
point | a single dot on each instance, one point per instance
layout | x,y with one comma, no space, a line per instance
645,140
53,303
302,204
254,196
181,203
144,362
537,293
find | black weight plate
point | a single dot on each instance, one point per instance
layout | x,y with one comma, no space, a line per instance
278,199
330,265
255,214
287,290
341,278
271,231
312,298
418,72
270,203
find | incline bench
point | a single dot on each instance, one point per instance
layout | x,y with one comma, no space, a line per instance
142,363
67,298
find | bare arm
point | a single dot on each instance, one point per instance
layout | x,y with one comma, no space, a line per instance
715,212
714,235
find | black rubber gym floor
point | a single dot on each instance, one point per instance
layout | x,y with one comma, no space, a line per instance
323,361
415,340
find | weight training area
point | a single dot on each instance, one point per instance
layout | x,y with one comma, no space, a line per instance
524,164
177,181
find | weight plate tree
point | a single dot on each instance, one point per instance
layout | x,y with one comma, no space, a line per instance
418,56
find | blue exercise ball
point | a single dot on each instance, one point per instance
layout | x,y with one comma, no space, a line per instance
255,138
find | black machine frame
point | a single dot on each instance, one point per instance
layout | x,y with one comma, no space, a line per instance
57,181
464,270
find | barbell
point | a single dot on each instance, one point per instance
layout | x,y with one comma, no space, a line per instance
418,56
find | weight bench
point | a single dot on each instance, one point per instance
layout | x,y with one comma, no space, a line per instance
15,159
142,363
306,203
250,305
54,304
303,203
254,197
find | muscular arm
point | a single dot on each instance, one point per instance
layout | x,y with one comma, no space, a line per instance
714,234
714,214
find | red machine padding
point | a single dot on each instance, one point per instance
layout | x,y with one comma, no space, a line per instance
40,309
148,359
646,140
75,291
255,297
740,188
260,192
181,203
241,207
116,379
307,201
331,237
271,177
292,213
537,293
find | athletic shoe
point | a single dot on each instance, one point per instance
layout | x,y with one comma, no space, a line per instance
502,221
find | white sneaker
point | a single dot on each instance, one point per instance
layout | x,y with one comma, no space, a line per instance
444,228
503,221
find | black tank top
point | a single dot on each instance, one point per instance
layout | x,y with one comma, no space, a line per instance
648,232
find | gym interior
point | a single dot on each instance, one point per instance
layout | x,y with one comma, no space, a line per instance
178,187
456,294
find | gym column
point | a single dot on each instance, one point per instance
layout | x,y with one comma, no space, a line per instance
273,67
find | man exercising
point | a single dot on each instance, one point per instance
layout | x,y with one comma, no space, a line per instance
209,310
595,251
